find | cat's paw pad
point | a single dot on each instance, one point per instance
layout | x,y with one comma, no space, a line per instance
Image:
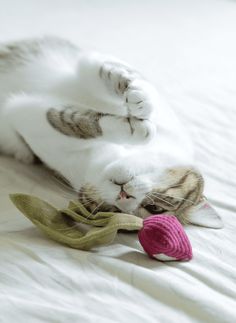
140,130
117,76
137,103
129,85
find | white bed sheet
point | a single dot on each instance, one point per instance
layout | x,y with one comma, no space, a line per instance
187,48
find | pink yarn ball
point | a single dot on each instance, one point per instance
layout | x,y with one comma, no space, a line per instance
163,235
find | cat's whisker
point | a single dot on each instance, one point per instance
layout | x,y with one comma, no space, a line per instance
87,203
150,199
172,196
62,183
162,200
93,190
66,194
92,198
160,194
96,208
142,185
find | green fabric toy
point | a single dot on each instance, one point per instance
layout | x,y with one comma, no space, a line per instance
62,225
162,236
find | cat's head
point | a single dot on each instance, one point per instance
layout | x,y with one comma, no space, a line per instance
177,190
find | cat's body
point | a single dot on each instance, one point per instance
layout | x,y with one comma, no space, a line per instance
98,123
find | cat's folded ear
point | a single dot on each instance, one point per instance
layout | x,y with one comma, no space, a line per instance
205,215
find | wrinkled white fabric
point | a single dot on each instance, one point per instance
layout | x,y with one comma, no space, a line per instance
187,48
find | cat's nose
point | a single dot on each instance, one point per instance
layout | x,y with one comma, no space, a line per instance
123,195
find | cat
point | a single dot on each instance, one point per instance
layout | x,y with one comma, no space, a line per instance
98,123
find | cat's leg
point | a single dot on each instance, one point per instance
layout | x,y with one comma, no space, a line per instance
116,87
126,105
91,125
28,131
12,144
22,152
136,95
52,130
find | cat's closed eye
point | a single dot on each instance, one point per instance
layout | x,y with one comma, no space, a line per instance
153,209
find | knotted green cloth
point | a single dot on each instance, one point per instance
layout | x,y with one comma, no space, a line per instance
68,226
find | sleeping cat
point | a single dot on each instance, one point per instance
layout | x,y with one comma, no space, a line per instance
98,123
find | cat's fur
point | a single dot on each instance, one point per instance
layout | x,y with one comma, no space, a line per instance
99,124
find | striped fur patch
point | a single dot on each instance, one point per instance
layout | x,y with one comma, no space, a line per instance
185,190
74,123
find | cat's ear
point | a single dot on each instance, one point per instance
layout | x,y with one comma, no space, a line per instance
205,215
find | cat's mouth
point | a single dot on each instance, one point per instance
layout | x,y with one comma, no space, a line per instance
123,195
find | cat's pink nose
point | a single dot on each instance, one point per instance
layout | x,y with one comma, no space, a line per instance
123,195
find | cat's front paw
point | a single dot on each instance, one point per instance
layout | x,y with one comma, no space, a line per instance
129,130
129,85
137,102
117,77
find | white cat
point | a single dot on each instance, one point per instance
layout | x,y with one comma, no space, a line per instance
99,124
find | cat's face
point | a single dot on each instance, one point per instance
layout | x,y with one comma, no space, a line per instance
175,189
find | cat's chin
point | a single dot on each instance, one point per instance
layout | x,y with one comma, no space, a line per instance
126,206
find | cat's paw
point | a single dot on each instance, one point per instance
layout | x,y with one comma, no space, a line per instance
137,101
117,77
140,130
130,130
129,85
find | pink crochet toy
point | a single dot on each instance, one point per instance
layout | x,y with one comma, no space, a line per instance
162,236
